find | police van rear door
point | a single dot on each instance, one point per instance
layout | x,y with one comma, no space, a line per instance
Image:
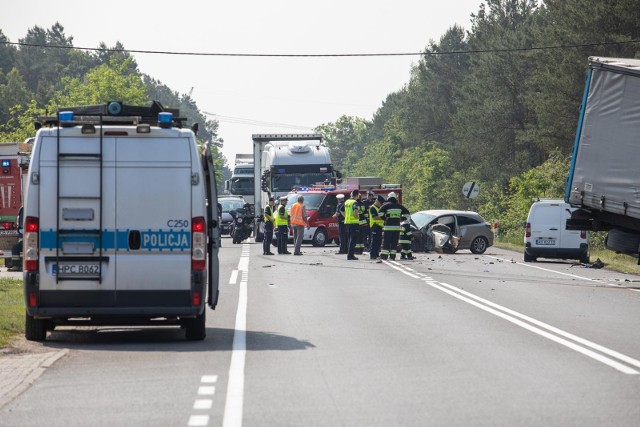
213,221
153,214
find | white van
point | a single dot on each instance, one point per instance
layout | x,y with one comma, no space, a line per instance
116,225
546,234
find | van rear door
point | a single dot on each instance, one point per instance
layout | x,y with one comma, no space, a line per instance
74,270
546,225
153,221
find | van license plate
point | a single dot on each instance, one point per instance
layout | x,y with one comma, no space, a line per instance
545,242
75,270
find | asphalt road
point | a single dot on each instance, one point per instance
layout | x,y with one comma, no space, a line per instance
316,340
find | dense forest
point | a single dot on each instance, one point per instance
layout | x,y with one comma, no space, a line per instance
36,80
497,104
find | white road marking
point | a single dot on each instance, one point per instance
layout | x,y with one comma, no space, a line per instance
203,404
198,420
543,269
206,390
209,379
234,277
513,317
235,389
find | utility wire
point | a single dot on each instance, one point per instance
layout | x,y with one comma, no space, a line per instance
321,55
240,120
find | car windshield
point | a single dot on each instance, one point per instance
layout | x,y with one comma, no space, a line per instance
231,204
311,201
421,219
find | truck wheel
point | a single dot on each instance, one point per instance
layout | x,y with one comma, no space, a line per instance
529,258
479,245
622,241
195,329
320,238
35,329
584,259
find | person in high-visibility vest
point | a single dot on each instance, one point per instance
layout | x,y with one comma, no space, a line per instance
269,222
298,218
352,221
376,224
282,223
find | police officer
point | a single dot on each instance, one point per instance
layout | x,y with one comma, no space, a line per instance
393,213
342,228
269,222
405,240
352,221
282,223
375,223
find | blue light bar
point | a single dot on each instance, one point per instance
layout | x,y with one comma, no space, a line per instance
165,120
66,116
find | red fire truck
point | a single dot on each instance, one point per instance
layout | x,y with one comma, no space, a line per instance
13,171
321,203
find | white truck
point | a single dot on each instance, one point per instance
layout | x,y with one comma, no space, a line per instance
604,182
117,228
241,182
283,162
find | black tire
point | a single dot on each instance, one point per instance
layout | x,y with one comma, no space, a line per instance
8,262
584,259
320,238
195,329
35,329
529,258
479,245
622,241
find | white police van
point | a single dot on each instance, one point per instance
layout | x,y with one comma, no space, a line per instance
117,230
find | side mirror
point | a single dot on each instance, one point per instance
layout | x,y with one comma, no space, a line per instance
21,221
265,181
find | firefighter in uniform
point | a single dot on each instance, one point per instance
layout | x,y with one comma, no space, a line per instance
375,224
282,223
269,222
365,230
352,221
405,240
392,212
362,222
342,228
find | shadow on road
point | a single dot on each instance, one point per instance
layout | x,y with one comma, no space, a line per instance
165,339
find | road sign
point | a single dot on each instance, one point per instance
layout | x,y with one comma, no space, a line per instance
470,190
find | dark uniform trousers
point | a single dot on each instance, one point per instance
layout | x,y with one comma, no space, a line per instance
344,237
376,241
283,235
354,232
268,237
390,244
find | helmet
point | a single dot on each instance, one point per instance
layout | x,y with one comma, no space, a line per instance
392,194
380,198
370,193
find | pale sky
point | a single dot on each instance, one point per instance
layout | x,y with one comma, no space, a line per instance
247,95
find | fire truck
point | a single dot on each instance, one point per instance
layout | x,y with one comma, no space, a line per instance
13,170
321,202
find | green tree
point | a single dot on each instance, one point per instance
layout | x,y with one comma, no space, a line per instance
345,139
107,82
13,93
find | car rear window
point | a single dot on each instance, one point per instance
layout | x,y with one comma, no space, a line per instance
467,220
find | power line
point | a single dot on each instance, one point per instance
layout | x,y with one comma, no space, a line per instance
320,55
240,120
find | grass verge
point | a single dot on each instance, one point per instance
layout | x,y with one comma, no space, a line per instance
11,309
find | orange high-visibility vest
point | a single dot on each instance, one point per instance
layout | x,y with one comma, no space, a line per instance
296,214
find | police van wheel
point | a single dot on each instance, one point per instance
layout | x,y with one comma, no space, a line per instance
35,329
195,329
320,238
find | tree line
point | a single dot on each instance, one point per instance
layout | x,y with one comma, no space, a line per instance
37,79
497,104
